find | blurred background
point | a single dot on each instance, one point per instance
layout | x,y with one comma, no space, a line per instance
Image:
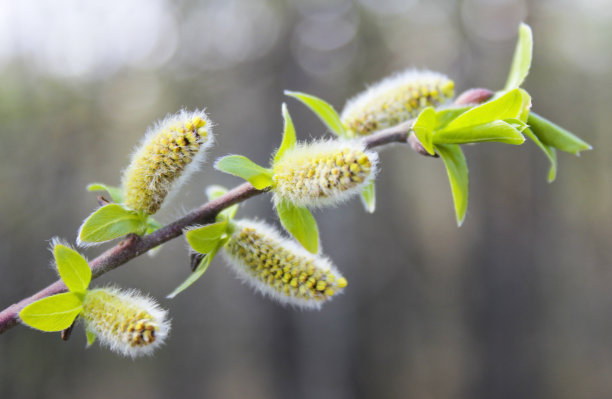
517,303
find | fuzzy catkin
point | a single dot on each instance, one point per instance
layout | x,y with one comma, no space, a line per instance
126,322
280,268
323,173
395,99
168,154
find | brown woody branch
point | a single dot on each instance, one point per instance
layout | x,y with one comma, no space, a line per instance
133,245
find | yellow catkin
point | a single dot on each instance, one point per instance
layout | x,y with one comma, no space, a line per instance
395,99
280,268
167,155
323,173
126,322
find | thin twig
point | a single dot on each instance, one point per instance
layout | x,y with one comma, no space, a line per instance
132,245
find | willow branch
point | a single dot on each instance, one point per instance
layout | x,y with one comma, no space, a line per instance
133,245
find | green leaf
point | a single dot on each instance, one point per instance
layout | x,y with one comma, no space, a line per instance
54,313
109,222
91,337
204,239
116,193
555,136
228,213
499,131
447,115
423,128
526,106
215,191
323,110
200,269
300,223
243,167
521,62
152,225
368,197
289,138
456,167
549,151
507,106
72,268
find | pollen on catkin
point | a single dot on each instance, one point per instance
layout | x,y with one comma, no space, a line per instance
323,173
125,321
280,268
168,154
395,99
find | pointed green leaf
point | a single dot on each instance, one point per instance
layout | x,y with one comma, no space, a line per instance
228,213
215,191
521,62
300,223
456,167
243,167
199,271
447,115
53,313
204,239
526,106
116,193
499,131
289,138
423,128
91,337
509,105
555,136
152,225
323,110
368,197
549,151
72,268
109,222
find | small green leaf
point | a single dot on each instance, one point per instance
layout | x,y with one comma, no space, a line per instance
243,167
456,167
521,62
215,191
199,271
53,313
228,213
507,106
499,131
152,225
300,223
116,193
447,115
423,128
555,136
109,222
289,138
91,337
204,239
368,197
72,268
549,151
323,110
526,106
